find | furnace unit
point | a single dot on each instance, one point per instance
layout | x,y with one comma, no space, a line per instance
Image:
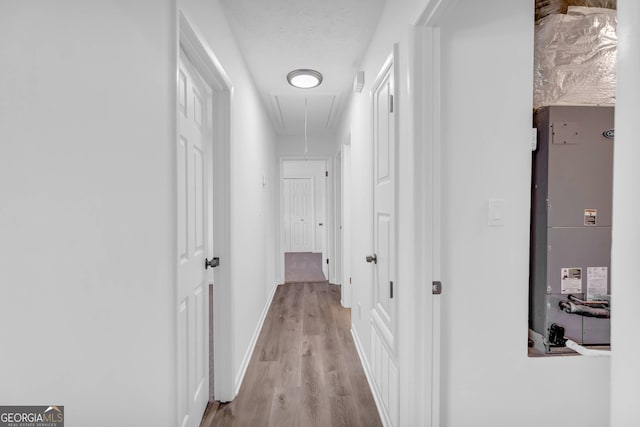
571,225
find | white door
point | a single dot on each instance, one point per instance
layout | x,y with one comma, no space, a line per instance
299,214
384,321
194,153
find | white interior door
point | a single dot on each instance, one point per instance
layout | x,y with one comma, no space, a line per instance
384,319
299,214
194,153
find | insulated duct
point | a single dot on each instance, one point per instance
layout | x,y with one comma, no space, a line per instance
548,7
575,58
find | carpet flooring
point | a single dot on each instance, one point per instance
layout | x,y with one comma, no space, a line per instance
303,267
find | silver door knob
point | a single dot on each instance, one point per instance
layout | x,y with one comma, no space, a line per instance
372,258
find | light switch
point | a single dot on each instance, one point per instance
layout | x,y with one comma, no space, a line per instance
496,212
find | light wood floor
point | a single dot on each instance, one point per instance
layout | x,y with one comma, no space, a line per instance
305,370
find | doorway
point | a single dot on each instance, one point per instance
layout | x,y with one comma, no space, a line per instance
304,218
194,167
383,257
202,174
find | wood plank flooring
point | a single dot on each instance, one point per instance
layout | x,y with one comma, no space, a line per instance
305,369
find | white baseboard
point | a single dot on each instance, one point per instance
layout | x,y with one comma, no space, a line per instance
384,416
252,344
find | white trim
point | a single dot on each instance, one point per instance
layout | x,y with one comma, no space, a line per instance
425,74
252,344
434,13
212,72
391,61
346,224
337,219
384,416
201,56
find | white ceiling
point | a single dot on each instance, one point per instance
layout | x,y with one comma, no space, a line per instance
278,36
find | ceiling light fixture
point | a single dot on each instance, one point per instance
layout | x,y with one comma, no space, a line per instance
304,79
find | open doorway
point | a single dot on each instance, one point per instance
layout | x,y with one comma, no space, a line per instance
304,219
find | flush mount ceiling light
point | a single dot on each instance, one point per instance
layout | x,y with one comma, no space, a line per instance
304,79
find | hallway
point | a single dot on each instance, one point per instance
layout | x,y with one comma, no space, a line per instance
305,370
144,137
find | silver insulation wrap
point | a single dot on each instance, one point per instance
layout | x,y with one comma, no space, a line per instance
575,58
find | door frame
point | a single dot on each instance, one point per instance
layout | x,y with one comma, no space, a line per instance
346,224
212,72
337,211
425,72
328,225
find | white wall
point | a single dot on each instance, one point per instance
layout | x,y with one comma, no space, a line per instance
487,378
87,177
253,206
625,252
319,145
486,94
347,223
87,251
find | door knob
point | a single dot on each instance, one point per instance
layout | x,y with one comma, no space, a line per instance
372,258
213,262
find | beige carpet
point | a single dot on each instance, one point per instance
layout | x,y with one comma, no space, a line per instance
303,267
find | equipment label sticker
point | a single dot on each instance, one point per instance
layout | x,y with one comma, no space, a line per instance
571,280
590,216
596,282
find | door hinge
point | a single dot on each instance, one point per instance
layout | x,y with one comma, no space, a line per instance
391,103
327,260
391,289
326,173
436,288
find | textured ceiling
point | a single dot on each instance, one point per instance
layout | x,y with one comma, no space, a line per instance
277,36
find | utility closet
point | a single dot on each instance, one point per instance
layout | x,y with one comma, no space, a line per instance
573,112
